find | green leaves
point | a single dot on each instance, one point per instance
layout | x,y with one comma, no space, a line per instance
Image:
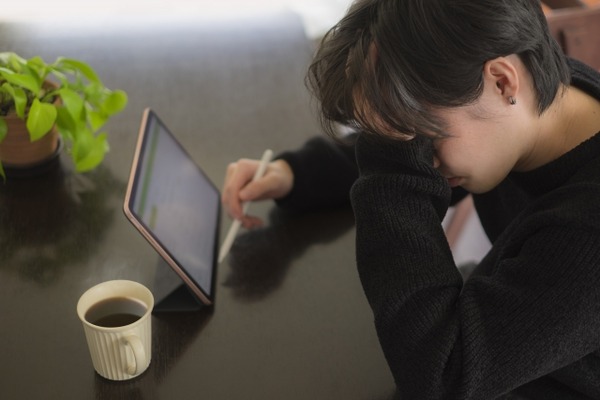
3,129
69,65
67,93
25,81
89,151
40,120
111,103
19,98
115,102
74,105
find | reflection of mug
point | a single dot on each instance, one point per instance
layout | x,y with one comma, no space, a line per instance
116,320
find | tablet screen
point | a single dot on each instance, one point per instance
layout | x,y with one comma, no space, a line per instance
175,206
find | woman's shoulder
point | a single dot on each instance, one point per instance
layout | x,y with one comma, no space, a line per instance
575,204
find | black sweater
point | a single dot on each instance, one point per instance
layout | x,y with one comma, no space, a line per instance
527,321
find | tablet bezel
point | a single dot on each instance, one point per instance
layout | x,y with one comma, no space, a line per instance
202,296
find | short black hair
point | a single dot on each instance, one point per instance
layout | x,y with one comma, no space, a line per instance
430,54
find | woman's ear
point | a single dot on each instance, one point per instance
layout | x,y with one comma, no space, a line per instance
503,74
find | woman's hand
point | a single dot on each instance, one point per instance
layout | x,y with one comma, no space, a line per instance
238,187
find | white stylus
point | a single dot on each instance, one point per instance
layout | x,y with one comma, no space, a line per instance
235,226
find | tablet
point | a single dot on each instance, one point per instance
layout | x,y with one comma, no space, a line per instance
175,206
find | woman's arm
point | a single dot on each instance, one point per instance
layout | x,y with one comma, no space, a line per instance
316,176
324,172
536,313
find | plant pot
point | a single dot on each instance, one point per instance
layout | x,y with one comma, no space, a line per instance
18,152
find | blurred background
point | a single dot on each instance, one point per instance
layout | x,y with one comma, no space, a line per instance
317,15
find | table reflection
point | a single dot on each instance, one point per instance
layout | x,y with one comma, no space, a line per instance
260,258
47,220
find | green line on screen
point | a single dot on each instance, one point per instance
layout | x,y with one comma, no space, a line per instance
149,167
153,212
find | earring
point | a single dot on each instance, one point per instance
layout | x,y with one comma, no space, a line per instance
512,100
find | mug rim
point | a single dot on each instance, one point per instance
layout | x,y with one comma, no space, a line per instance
81,310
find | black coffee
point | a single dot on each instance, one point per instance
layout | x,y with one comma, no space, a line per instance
116,311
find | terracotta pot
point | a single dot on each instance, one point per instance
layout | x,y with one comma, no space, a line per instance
17,151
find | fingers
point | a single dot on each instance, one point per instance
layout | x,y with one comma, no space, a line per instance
268,187
239,188
238,175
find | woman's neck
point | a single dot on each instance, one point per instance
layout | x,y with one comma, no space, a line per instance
573,118
583,118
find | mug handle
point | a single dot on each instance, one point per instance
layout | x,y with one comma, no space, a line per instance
139,355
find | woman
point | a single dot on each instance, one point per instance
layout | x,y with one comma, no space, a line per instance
453,97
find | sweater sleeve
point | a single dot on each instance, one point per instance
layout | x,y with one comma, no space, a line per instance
498,332
324,172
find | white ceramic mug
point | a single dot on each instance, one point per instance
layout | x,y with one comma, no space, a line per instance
116,317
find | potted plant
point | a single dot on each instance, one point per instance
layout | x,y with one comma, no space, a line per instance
65,99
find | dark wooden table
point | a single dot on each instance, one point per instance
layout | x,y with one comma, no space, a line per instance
290,320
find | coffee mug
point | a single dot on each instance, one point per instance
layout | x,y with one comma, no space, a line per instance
116,318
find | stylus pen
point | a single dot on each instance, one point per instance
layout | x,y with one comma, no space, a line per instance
235,226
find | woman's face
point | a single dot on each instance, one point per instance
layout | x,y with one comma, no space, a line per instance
486,141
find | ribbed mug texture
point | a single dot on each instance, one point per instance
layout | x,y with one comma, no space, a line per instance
111,354
110,347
